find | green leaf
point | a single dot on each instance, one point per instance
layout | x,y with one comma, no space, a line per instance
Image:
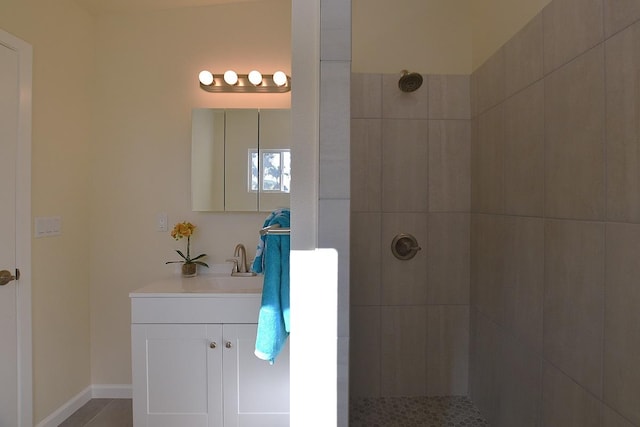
198,257
204,264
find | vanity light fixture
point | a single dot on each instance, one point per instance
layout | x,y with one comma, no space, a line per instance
254,82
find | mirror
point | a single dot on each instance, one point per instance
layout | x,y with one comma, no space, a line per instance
240,159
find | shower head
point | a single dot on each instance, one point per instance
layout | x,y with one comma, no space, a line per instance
409,81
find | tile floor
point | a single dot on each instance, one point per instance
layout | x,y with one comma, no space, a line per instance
440,411
102,413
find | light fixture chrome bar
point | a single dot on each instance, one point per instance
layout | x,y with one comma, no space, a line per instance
274,229
245,86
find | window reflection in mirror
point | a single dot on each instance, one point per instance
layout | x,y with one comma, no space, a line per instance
240,159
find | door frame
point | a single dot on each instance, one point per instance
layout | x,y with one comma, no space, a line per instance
23,227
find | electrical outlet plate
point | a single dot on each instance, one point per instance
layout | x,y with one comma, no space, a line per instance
162,221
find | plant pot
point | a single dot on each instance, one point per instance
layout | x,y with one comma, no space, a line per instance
189,270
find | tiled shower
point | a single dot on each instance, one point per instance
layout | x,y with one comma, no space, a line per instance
521,183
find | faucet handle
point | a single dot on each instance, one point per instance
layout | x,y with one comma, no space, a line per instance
234,269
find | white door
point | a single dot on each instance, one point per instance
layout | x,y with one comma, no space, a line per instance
15,384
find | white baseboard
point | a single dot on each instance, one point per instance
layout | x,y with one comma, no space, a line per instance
95,391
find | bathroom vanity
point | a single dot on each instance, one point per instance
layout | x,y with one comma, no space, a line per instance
193,361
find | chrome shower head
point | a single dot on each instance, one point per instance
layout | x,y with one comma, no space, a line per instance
409,82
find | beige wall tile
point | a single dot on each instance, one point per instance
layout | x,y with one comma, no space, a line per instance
404,165
484,365
623,132
618,14
404,351
488,247
365,257
404,105
565,403
524,152
404,282
364,364
489,81
574,300
448,350
487,162
610,418
366,95
523,286
449,165
449,97
366,165
448,256
574,130
523,57
622,317
570,28
520,385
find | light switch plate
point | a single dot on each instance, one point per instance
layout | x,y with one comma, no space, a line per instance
48,226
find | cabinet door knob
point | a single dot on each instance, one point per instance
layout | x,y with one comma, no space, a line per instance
213,344
228,344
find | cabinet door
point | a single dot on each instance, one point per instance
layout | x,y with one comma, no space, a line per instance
177,378
255,392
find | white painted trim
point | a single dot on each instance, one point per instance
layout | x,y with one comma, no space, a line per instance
111,391
23,227
95,391
66,410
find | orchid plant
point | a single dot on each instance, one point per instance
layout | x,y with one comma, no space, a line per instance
185,229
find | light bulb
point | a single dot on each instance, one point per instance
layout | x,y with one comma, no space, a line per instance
255,77
230,77
205,77
279,78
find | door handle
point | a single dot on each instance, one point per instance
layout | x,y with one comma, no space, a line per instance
6,276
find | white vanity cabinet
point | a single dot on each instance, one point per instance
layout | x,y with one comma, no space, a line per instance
193,361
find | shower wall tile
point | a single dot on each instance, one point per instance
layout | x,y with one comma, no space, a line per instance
623,132
618,14
404,282
365,258
610,418
622,317
448,350
365,352
449,97
489,81
366,165
366,95
448,256
523,57
404,105
570,28
524,152
334,130
574,139
523,287
488,269
403,351
335,234
484,365
449,165
520,385
335,30
565,403
404,165
487,162
574,300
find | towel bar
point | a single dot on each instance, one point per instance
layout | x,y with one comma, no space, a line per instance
274,229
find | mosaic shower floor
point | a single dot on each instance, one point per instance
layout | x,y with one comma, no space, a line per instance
439,411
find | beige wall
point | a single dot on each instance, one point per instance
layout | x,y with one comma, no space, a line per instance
429,37
433,36
145,87
493,22
62,38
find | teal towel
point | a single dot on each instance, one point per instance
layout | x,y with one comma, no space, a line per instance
273,260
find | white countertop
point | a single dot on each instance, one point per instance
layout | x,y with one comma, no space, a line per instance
206,285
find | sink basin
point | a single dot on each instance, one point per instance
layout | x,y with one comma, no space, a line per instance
223,284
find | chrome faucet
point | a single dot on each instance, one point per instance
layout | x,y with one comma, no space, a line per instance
240,263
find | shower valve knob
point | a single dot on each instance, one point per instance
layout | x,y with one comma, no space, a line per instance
213,344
